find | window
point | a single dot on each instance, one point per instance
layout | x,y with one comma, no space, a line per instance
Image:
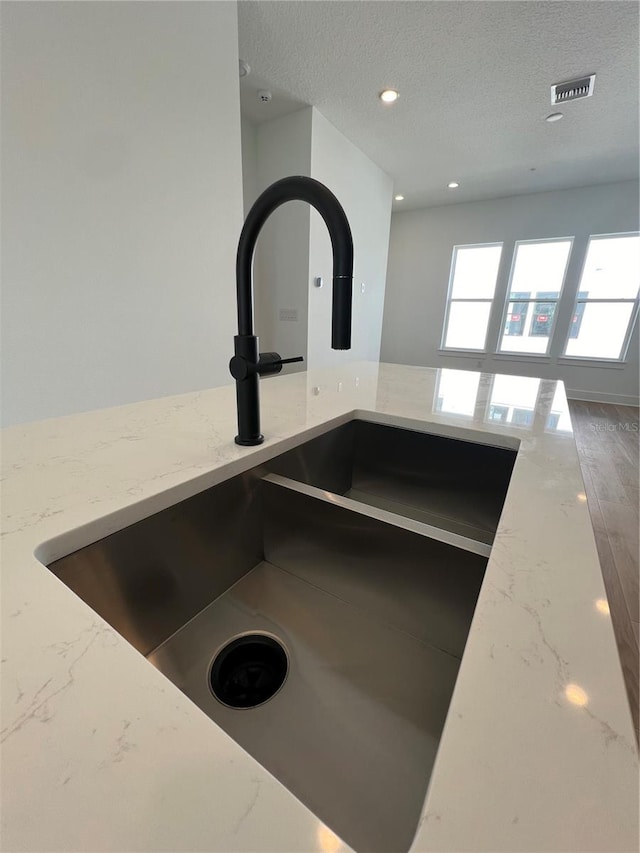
537,276
604,311
474,272
607,300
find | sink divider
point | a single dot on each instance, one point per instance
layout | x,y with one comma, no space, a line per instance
430,531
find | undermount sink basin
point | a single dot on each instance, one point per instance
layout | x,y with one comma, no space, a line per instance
317,609
453,485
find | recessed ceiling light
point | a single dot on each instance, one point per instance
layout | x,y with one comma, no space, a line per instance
554,117
388,96
399,197
453,185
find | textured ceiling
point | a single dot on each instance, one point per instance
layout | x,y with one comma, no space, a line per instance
474,81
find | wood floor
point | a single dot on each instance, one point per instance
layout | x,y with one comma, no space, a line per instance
607,439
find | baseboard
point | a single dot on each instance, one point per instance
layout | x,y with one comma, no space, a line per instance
602,397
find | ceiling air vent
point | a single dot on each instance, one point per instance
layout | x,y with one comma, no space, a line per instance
573,90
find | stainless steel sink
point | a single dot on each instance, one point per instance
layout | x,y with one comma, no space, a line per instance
454,485
359,558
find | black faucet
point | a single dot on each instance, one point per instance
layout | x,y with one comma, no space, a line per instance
247,365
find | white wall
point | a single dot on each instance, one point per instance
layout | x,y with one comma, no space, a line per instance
419,262
364,191
282,254
249,134
122,202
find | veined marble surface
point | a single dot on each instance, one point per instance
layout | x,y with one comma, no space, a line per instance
101,752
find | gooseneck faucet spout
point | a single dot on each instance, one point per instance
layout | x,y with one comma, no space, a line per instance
247,365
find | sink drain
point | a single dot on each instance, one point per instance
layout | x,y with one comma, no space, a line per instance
248,671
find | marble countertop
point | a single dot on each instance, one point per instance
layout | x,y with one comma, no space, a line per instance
101,752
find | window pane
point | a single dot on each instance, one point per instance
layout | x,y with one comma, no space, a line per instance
457,391
475,270
602,330
528,326
513,400
539,267
467,327
576,320
612,268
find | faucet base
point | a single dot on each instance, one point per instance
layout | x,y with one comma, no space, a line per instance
249,442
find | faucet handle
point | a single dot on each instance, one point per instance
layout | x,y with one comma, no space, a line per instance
270,363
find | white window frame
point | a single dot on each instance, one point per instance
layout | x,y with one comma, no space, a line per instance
520,353
452,269
624,349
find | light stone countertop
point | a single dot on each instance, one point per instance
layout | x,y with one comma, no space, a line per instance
101,752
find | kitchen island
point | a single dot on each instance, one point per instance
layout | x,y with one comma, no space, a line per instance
101,752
